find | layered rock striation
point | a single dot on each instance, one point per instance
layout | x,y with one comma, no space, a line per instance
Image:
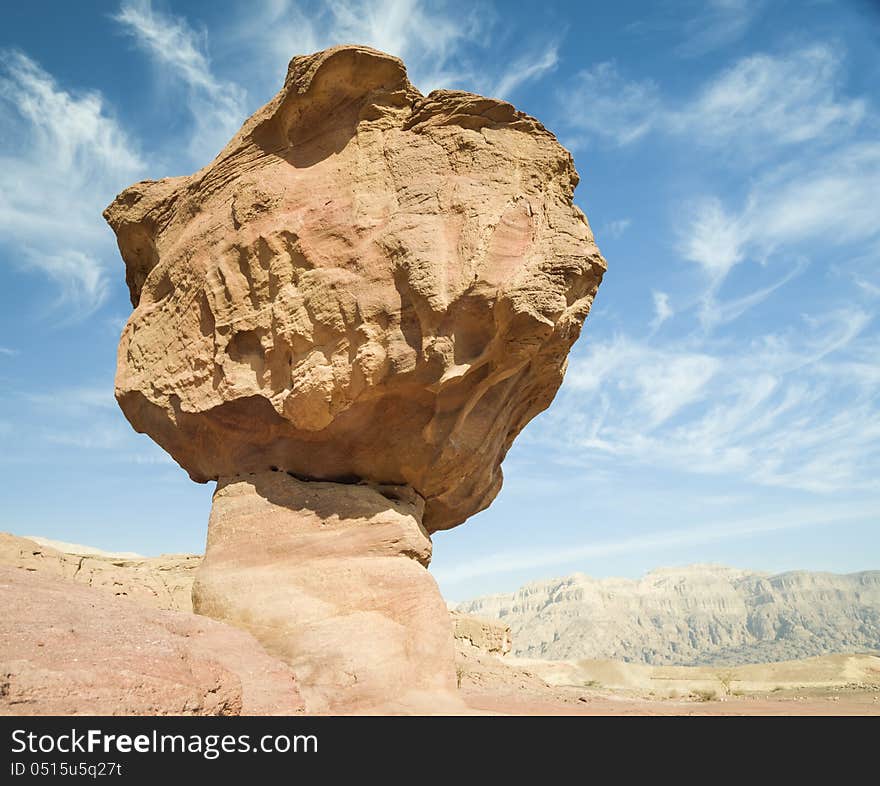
366,284
702,614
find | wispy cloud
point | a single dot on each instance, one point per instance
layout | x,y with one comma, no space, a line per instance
217,106
534,560
714,239
75,401
96,437
430,37
759,104
872,289
8,351
828,198
662,309
408,29
700,26
795,408
658,383
82,418
526,69
715,311
601,103
66,159
717,24
765,101
616,228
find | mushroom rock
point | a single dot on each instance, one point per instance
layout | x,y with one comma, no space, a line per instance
345,319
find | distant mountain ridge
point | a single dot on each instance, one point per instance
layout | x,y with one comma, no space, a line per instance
697,615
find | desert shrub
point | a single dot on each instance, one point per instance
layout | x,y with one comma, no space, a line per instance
706,695
726,678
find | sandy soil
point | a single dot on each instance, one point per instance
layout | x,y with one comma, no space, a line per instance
830,685
595,704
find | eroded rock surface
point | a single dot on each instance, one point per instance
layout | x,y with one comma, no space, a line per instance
701,614
162,582
366,283
331,579
345,319
490,636
69,649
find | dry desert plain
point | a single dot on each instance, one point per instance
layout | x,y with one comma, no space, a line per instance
154,656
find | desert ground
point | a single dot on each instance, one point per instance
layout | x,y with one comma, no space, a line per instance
826,685
86,631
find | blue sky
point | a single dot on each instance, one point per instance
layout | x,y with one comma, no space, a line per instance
722,404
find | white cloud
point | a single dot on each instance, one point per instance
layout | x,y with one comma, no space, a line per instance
8,351
401,27
617,227
526,69
796,409
773,101
872,289
80,277
828,198
85,417
96,437
429,38
601,103
76,401
719,23
68,157
657,383
832,196
714,239
662,309
759,104
714,312
705,532
218,107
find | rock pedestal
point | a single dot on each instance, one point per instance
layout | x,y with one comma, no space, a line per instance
372,290
332,578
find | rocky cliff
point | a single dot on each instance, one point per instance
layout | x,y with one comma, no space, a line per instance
163,582
697,615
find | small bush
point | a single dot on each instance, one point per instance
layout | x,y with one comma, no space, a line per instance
706,695
592,684
726,678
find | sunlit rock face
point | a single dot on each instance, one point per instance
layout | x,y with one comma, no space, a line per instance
367,284
345,319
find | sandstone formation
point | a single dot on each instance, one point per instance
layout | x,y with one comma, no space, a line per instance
345,319
161,582
366,284
703,614
489,636
68,649
331,579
